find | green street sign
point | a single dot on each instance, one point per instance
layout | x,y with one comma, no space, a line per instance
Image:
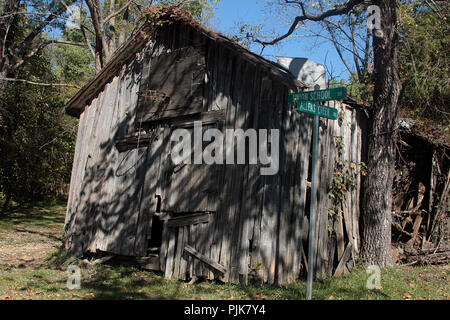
317,109
319,95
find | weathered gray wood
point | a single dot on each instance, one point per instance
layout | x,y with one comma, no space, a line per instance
124,216
211,180
331,254
334,133
285,179
164,246
178,252
165,170
87,202
123,55
341,266
239,238
269,206
103,260
304,130
339,229
217,199
205,259
347,209
255,189
258,221
215,68
197,268
149,200
103,159
168,271
356,158
74,183
185,220
241,250
110,109
175,85
183,263
287,157
230,187
79,191
191,242
185,121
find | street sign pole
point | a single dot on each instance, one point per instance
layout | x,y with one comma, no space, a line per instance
307,102
313,206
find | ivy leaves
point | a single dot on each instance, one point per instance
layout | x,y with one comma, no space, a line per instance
343,181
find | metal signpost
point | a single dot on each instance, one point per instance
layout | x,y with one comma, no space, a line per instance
306,102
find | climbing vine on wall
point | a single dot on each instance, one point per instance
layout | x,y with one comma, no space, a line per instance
343,181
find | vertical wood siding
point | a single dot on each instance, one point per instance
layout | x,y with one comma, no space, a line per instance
255,224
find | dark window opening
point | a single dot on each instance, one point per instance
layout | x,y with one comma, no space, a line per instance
155,240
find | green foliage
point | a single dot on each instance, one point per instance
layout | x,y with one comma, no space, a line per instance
424,60
73,64
360,91
36,139
343,180
355,89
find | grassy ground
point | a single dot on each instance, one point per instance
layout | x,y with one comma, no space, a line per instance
33,266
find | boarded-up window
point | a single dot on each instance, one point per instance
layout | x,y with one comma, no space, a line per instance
174,85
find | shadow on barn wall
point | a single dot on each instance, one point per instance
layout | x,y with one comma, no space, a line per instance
216,221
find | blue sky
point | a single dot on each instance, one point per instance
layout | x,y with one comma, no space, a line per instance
231,12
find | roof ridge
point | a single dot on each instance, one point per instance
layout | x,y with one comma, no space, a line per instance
139,39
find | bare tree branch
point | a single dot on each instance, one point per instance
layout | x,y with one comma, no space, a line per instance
28,55
40,14
112,15
101,46
355,50
341,9
40,83
36,31
336,46
91,50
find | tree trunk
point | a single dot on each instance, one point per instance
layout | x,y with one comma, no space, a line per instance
377,204
8,22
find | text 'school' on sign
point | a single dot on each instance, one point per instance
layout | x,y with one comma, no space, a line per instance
319,95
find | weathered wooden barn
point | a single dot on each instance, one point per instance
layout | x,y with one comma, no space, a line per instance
196,220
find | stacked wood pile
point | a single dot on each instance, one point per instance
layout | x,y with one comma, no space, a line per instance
420,227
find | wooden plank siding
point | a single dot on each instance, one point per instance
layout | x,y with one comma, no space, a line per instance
218,221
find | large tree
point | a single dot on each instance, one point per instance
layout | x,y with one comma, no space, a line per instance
377,198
